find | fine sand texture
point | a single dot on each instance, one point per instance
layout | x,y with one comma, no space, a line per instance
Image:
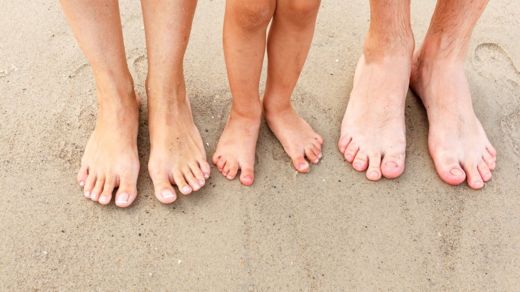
329,230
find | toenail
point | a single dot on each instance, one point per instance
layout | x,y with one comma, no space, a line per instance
456,172
348,157
123,198
320,156
103,199
303,165
358,164
186,190
81,183
391,164
93,196
374,174
87,194
206,176
201,183
167,194
478,183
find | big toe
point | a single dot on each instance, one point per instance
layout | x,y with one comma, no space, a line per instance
392,166
163,189
300,164
450,171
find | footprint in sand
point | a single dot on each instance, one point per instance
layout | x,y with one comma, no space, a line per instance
493,62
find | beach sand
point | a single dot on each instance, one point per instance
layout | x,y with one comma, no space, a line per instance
329,230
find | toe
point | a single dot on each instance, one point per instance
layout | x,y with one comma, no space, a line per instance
163,189
82,175
319,139
89,184
181,183
300,164
232,170
192,181
449,170
473,176
127,191
206,169
98,188
492,150
343,143
216,158
311,155
247,175
392,165
374,167
108,189
360,162
221,163
197,172
484,171
490,160
351,151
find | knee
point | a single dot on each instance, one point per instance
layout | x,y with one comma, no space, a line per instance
252,14
302,11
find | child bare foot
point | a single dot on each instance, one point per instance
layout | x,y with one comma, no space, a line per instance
237,146
110,160
177,154
297,137
457,142
373,135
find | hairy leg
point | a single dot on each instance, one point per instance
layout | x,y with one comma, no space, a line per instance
373,135
288,45
177,154
110,160
245,27
457,142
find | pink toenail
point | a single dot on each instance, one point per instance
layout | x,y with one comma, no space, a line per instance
123,198
87,194
348,157
103,199
81,183
167,194
303,165
374,174
456,172
478,183
186,190
201,183
206,176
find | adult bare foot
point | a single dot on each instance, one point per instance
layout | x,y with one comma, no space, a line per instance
111,160
237,146
457,142
373,128
299,140
177,155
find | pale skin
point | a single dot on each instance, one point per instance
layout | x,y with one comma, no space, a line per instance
110,162
373,129
288,40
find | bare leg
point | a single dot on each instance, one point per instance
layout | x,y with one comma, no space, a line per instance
177,152
110,159
373,129
289,41
245,27
457,142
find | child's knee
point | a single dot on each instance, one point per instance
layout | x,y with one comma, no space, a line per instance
251,14
302,11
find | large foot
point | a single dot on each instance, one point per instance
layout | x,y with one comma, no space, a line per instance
299,140
237,146
177,155
111,160
373,135
457,142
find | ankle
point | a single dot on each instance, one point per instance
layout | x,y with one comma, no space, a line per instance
272,108
252,112
439,48
380,45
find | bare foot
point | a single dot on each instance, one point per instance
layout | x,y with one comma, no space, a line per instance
297,137
373,134
237,146
177,155
457,142
111,160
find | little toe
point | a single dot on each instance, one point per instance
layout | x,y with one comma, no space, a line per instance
360,162
490,160
82,175
108,189
311,156
89,185
163,189
374,167
351,151
127,191
98,188
343,143
392,165
206,169
484,171
247,175
300,164
319,139
215,158
181,183
475,181
492,150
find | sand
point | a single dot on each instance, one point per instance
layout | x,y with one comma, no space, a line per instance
330,230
